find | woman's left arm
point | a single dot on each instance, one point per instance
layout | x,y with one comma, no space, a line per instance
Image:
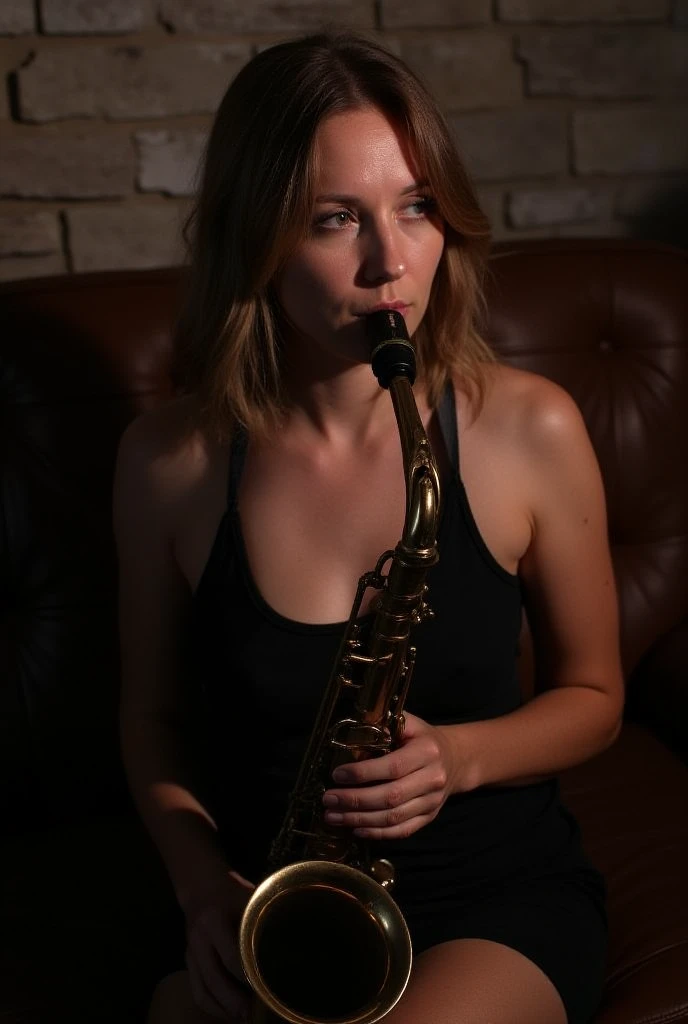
570,595
571,600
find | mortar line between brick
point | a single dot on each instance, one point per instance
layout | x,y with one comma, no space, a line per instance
66,241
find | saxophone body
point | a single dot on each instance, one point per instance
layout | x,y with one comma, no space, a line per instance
321,940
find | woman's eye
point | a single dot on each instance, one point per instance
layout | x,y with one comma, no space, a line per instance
421,206
333,221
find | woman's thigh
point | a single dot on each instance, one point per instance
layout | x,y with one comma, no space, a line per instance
476,981
467,981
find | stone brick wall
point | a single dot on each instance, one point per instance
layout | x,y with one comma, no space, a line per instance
572,114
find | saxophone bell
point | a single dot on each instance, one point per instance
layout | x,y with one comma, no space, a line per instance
323,942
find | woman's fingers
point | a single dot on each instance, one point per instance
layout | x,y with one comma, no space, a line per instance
429,780
402,831
392,811
388,820
214,990
223,941
396,765
393,795
215,973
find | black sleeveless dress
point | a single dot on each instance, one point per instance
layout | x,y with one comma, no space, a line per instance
499,863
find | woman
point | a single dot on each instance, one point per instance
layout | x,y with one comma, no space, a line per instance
247,509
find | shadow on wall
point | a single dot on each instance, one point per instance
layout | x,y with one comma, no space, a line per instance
664,218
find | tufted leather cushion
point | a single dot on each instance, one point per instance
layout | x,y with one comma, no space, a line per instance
608,322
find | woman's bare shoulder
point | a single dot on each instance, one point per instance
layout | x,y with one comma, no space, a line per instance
164,455
164,429
533,408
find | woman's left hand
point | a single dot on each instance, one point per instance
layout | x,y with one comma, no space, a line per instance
394,795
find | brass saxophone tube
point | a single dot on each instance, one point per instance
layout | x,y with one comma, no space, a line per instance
321,940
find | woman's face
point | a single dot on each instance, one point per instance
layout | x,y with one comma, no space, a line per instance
375,239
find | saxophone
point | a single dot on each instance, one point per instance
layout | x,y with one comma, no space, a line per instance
322,939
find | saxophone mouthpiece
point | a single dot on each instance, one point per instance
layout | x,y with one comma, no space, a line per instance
391,352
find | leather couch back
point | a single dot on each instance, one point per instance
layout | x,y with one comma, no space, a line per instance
81,355
609,322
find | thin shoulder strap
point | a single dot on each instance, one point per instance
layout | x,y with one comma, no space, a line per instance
237,457
446,414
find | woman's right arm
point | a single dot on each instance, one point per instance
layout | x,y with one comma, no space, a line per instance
163,773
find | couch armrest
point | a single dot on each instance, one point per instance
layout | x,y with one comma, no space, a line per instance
658,689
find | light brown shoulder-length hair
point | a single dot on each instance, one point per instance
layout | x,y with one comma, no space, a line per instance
254,205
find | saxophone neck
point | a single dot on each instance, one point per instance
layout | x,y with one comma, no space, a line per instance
420,469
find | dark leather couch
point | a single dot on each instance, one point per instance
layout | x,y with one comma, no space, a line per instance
88,922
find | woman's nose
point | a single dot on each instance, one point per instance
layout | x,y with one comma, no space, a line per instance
383,258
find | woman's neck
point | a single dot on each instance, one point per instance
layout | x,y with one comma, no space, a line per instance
346,406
